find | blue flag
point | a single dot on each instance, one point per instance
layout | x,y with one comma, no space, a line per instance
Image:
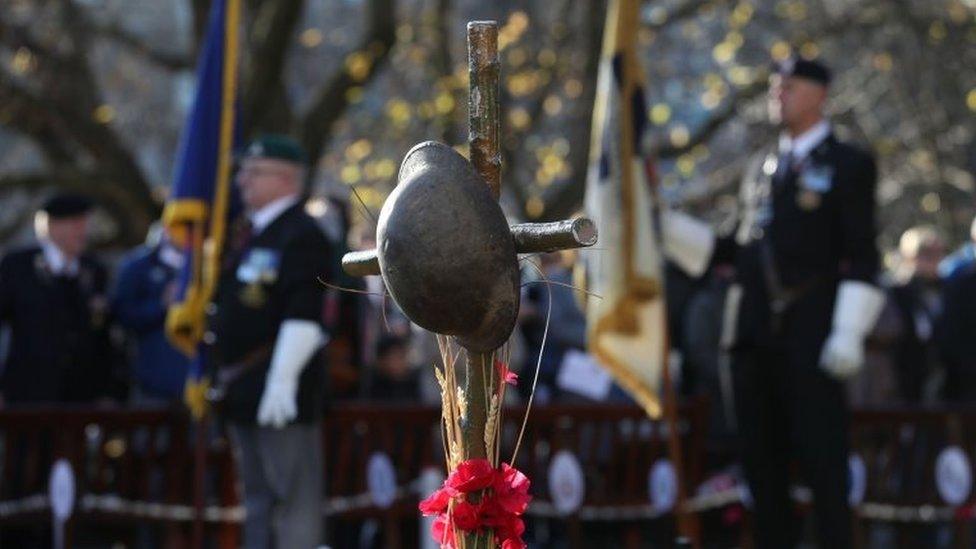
196,214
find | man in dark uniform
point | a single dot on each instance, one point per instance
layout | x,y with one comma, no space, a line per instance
52,297
958,344
806,265
269,334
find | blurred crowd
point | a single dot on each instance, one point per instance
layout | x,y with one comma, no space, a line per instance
104,338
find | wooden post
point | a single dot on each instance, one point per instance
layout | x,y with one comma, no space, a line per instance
483,117
687,522
200,448
483,124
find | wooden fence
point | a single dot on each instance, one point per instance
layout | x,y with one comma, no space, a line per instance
134,474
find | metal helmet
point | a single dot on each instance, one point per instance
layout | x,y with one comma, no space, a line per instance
445,250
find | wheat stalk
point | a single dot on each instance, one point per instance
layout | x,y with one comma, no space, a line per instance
491,427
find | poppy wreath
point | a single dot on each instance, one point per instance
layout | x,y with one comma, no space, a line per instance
504,498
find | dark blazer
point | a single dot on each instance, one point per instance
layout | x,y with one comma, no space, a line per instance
959,337
916,352
59,349
274,277
816,224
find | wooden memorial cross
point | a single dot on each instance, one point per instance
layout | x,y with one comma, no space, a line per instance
444,249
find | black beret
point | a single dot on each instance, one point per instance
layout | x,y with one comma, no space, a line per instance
804,68
63,205
275,146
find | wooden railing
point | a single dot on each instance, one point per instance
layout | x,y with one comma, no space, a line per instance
134,470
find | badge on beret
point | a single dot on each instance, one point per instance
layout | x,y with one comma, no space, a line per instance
808,200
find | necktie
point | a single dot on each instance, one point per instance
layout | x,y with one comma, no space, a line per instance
785,167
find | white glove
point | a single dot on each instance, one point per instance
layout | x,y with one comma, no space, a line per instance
688,242
856,310
297,342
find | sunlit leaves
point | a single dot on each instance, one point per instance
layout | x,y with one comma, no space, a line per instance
741,15
358,65
780,50
660,113
512,30
399,112
679,135
23,61
104,114
310,38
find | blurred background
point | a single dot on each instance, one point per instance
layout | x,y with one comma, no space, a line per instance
95,93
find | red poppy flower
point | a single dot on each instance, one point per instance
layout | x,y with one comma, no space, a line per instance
506,375
512,489
465,516
470,476
443,532
509,533
513,543
436,503
505,524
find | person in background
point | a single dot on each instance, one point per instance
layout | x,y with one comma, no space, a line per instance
394,379
917,298
376,314
567,323
959,261
959,337
268,331
804,298
144,289
53,299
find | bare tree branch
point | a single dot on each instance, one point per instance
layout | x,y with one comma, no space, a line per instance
132,219
273,27
29,115
331,101
684,11
57,114
16,36
167,59
561,201
714,123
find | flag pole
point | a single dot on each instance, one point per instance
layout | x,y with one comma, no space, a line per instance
688,525
627,25
213,248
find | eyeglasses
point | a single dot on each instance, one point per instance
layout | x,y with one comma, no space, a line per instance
256,171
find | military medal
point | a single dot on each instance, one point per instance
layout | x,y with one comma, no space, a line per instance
253,295
808,200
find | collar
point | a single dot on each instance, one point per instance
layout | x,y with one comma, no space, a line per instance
801,145
57,262
263,217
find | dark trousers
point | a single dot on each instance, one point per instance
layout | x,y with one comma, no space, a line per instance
789,410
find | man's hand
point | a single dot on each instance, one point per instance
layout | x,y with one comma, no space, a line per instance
842,355
297,342
277,405
856,309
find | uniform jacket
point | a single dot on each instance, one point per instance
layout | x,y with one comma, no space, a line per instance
276,275
959,337
137,303
814,226
59,348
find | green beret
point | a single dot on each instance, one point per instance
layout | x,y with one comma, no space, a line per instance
275,146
